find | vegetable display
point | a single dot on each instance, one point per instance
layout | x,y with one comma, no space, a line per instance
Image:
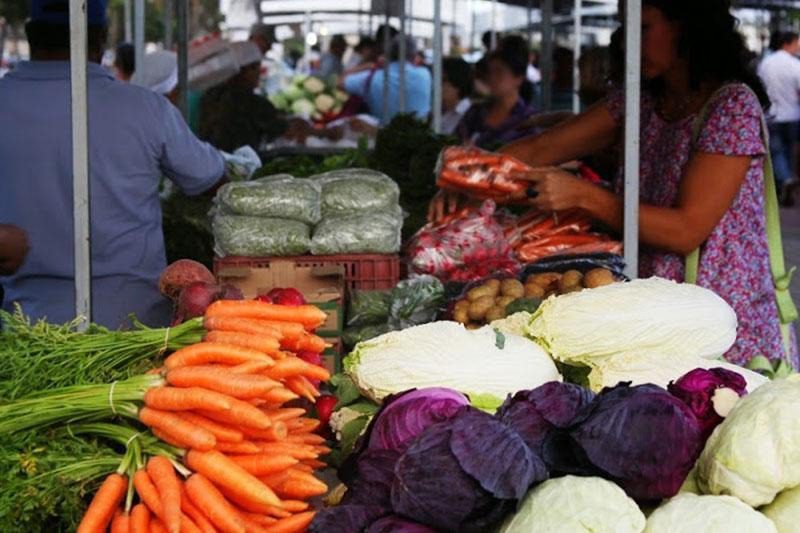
255,236
289,198
784,510
310,97
688,513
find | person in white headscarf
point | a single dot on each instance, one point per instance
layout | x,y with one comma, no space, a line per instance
159,73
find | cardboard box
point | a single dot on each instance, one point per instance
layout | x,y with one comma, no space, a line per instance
322,286
332,357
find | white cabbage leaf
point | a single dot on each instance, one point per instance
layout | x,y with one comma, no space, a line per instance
690,513
785,511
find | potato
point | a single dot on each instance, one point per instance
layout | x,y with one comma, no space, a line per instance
532,290
550,293
472,326
490,288
478,308
512,287
495,313
503,301
544,280
574,288
461,315
571,278
599,277
462,304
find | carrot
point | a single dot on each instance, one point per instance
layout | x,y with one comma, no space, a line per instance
241,414
298,451
299,485
166,481
304,468
241,386
105,502
188,525
315,464
294,366
300,386
246,326
251,524
204,495
302,425
277,432
322,450
222,432
140,518
177,428
157,526
311,317
244,447
213,352
295,506
305,438
121,523
289,330
262,464
257,518
268,345
251,367
190,509
148,492
306,343
172,441
286,414
186,399
230,476
280,396
293,524
244,504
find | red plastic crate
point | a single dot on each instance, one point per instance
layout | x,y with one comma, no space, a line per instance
361,272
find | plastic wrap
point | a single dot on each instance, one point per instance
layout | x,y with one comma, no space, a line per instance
370,233
293,199
351,191
482,174
256,237
241,164
464,249
416,301
368,307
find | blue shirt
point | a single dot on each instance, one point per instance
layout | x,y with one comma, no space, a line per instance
135,137
418,90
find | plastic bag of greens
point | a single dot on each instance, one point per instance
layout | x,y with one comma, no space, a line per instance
368,307
241,164
346,192
353,335
294,199
370,233
256,237
416,301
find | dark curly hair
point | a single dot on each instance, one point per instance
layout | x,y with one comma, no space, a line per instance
711,43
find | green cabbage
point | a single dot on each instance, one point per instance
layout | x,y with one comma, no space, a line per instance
313,85
630,320
303,107
445,354
755,453
573,505
785,511
689,513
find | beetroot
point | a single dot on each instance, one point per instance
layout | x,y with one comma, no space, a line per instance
229,292
286,297
325,405
194,300
180,274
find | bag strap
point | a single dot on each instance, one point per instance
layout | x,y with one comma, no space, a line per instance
781,279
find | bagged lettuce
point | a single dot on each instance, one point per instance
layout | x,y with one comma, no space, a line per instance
370,233
689,513
293,199
256,237
573,505
357,190
633,320
784,511
755,453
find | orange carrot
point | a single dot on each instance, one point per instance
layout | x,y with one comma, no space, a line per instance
262,464
304,468
169,439
285,414
322,450
251,525
294,366
191,510
121,523
299,485
257,518
251,367
280,396
302,425
289,330
148,492
295,506
276,479
213,352
178,428
204,495
261,343
241,386
241,414
298,451
315,464
306,343
188,525
105,502
162,473
157,526
232,324
294,524
230,476
244,447
247,505
305,438
140,518
186,399
277,432
311,317
222,432
299,386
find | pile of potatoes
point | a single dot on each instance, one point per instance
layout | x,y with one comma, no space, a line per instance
549,283
487,302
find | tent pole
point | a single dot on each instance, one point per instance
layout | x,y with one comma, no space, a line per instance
437,66
633,52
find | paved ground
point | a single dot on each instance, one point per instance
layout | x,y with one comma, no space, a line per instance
790,224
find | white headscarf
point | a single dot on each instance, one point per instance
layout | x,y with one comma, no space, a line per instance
246,53
158,72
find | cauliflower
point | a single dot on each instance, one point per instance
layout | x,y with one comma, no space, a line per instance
341,418
303,107
324,102
314,85
293,92
341,96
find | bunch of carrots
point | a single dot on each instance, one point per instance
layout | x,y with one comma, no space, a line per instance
481,174
245,461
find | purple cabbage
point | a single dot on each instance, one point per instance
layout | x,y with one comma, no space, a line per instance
346,518
696,389
464,474
397,524
643,438
372,482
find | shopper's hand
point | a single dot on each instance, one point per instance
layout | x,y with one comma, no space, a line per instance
13,249
445,203
553,189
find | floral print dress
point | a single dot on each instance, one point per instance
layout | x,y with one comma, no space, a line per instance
734,261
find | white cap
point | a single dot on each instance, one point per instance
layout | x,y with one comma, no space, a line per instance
158,72
246,53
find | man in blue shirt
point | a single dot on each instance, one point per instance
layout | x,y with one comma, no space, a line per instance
369,85
135,137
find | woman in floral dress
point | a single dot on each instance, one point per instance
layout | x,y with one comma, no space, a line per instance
704,190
